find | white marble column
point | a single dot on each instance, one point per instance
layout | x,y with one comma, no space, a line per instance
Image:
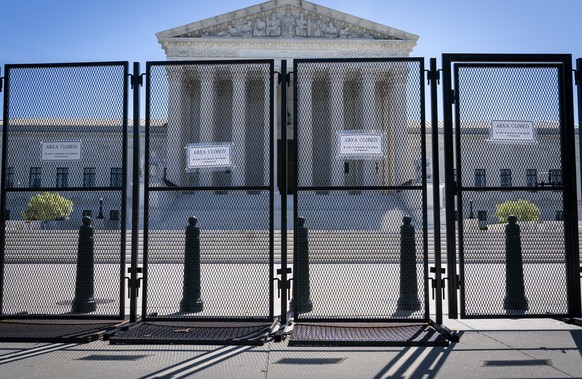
238,125
267,126
387,165
207,94
304,127
369,78
404,165
337,123
177,101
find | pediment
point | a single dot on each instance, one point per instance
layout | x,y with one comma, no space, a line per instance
286,19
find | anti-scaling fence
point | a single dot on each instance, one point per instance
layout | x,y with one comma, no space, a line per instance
360,206
511,177
213,237
208,220
64,157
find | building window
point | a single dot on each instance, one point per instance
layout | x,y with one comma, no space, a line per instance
505,177
9,177
34,178
531,177
115,177
555,177
89,177
62,176
480,179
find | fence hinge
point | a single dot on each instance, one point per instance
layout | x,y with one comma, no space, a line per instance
434,282
134,283
287,77
433,75
136,80
284,285
453,96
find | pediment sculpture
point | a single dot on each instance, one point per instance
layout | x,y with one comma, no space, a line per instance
288,22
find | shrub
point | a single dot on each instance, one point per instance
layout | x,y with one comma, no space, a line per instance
522,209
48,206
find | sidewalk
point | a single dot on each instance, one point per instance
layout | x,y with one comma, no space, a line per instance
517,348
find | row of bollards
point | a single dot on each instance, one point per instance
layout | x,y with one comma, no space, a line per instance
84,301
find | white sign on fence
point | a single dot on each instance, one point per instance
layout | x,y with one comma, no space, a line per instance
360,144
200,155
512,132
60,150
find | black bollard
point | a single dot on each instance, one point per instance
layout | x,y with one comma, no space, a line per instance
514,286
191,301
408,300
84,301
301,302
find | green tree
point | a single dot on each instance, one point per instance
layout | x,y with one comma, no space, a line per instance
48,206
522,209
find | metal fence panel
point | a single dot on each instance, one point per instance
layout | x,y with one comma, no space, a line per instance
513,146
64,157
361,168
209,155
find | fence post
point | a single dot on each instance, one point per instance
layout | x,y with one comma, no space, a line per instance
514,286
301,302
408,300
84,302
191,301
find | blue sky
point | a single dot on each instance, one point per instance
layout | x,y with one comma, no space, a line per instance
105,30
124,30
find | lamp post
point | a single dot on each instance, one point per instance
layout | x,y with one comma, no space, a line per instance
100,216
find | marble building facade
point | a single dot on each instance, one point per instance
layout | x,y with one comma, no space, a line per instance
287,29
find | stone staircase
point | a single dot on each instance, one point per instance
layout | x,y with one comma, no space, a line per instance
252,247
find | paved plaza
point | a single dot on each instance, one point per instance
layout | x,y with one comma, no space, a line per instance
517,348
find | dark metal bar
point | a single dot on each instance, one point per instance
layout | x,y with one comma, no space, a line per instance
3,187
296,168
359,188
124,187
200,189
146,189
283,190
569,181
135,200
426,281
272,185
436,189
514,58
449,187
458,209
64,189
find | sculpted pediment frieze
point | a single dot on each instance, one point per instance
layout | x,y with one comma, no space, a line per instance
287,22
286,19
